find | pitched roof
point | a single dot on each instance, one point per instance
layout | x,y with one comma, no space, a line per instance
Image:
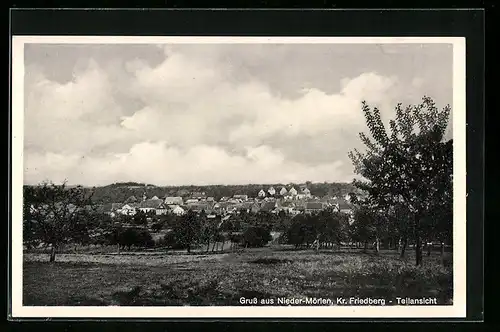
173,199
151,203
199,207
131,205
178,208
268,206
314,206
225,204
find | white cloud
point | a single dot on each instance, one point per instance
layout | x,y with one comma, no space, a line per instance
161,164
72,117
193,112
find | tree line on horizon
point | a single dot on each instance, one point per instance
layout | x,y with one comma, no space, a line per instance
120,192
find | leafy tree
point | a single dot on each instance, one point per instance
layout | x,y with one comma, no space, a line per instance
168,220
256,236
409,164
303,229
282,222
331,226
187,230
170,240
140,218
209,230
364,227
134,237
56,214
144,239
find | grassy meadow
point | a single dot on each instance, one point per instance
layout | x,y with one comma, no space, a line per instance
158,278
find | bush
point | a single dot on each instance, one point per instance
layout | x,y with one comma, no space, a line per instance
140,218
135,237
157,226
170,241
256,236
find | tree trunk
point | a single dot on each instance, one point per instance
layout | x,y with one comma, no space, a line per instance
366,247
429,247
403,247
213,246
118,246
418,250
442,248
223,243
189,249
377,245
418,239
53,254
208,245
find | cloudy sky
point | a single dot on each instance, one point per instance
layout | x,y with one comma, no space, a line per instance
214,114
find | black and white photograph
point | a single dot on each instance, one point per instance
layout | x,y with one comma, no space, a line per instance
238,176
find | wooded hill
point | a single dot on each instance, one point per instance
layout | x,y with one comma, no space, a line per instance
119,192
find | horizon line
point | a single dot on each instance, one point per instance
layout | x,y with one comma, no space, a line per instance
189,185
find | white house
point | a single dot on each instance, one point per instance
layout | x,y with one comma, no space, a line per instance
178,211
128,209
162,209
262,193
283,191
271,191
306,192
293,191
300,196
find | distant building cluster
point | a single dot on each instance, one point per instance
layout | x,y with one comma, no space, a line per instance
271,200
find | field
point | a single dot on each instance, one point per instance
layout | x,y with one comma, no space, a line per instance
162,279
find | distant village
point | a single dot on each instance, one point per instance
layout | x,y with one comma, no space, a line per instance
290,200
